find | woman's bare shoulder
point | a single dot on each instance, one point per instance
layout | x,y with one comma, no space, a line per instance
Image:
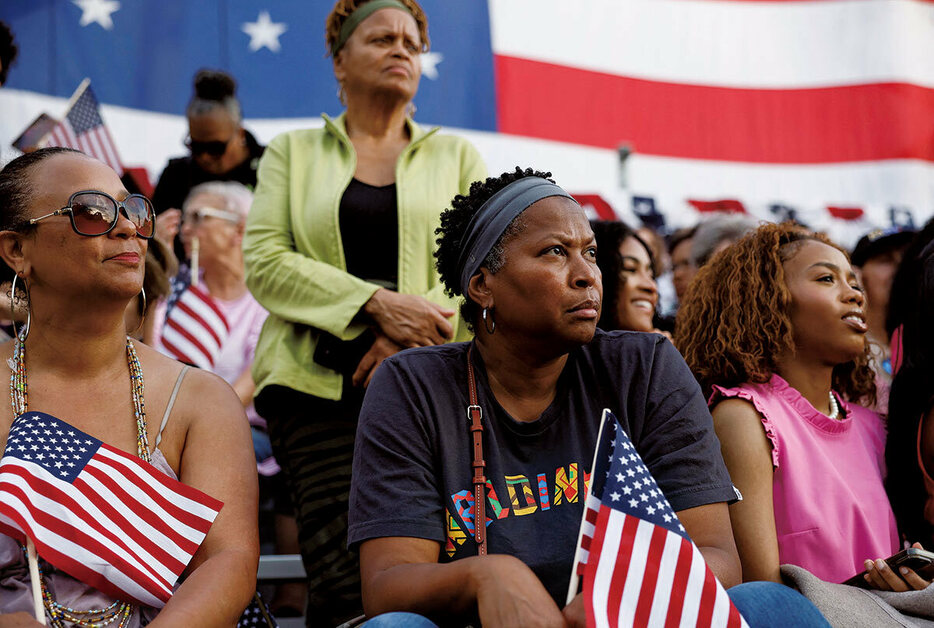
202,398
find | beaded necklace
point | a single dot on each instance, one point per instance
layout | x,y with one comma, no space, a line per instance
19,399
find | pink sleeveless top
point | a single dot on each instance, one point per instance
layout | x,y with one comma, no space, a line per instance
831,509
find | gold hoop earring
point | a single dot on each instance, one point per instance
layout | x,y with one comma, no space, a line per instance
13,309
340,95
487,316
142,313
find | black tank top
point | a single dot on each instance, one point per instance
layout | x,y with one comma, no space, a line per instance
369,224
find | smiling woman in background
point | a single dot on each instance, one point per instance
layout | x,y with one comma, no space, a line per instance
629,290
338,248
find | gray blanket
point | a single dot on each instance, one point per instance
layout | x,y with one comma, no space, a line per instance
852,607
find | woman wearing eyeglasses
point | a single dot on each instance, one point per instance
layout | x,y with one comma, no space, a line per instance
214,215
338,248
221,150
76,242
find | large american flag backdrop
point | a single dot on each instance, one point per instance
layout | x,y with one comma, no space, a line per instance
101,515
824,108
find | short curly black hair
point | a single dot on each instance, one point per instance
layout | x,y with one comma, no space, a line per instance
452,231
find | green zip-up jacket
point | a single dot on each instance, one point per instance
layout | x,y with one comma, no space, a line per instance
294,255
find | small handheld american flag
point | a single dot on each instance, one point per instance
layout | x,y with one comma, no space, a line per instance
97,513
195,328
640,567
83,129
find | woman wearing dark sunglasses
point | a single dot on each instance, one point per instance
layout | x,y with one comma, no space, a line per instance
338,249
76,242
221,150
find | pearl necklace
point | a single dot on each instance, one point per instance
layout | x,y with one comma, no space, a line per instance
19,399
834,408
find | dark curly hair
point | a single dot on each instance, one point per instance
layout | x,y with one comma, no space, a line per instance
610,235
343,8
452,230
911,306
734,321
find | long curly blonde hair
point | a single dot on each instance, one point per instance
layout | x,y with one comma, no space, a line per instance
733,323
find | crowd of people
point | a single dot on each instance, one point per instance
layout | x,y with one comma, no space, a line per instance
369,284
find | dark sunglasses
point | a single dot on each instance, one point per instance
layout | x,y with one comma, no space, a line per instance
94,213
214,148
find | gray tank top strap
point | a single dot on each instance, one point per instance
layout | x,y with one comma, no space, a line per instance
168,408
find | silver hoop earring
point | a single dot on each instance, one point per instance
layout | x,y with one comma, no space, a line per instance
13,310
410,109
487,316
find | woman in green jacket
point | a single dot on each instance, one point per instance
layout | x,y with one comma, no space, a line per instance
338,249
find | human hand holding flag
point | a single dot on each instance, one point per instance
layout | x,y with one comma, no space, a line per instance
639,565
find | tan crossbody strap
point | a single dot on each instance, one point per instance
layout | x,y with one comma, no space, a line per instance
475,415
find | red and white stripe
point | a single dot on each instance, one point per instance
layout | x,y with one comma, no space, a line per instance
809,103
643,575
121,526
591,512
196,329
96,142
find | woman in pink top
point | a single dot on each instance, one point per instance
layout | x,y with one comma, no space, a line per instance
774,326
910,445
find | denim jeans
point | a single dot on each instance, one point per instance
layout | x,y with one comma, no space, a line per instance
769,604
762,604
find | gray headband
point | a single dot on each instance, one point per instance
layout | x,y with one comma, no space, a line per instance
361,13
492,219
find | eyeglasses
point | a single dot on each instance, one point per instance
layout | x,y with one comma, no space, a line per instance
94,213
195,216
214,148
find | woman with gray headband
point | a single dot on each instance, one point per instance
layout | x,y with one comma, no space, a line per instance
338,249
522,253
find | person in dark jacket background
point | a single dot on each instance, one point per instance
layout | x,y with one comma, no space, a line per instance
221,150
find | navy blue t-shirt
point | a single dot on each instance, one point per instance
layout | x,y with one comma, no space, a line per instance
412,474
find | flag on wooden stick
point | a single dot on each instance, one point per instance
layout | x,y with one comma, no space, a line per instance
640,567
83,129
195,328
107,518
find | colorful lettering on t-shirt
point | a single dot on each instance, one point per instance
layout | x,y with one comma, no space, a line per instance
455,535
513,481
498,509
566,484
543,492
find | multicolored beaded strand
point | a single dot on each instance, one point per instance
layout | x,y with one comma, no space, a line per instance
19,399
